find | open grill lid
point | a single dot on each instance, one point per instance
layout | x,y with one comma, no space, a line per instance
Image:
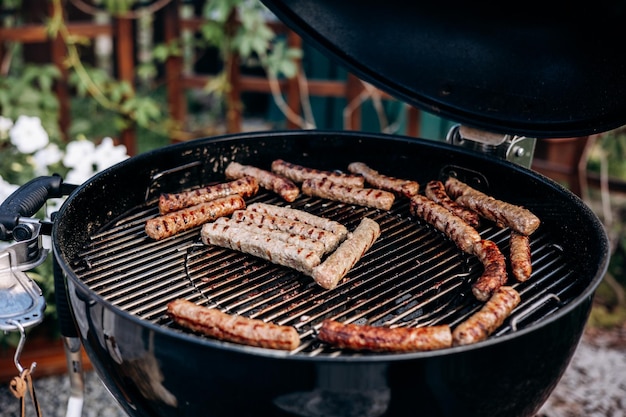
529,69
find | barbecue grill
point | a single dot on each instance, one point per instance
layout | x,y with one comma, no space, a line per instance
117,281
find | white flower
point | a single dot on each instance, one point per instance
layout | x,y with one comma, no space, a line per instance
28,135
79,154
107,154
6,189
5,126
79,175
45,157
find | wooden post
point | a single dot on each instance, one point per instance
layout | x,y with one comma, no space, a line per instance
126,68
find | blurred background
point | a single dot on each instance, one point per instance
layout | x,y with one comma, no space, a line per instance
87,83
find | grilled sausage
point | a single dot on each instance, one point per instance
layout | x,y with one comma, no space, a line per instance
299,173
301,216
244,226
521,265
494,275
328,240
232,328
245,187
399,186
262,246
461,233
436,191
385,339
502,213
336,266
178,221
371,197
282,186
483,323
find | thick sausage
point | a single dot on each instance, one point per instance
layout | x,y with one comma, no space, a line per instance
336,266
385,339
502,213
301,216
436,191
299,173
261,246
232,328
371,197
178,221
483,323
461,233
494,274
328,240
399,186
520,257
245,187
282,186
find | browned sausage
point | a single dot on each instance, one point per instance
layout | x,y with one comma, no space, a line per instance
521,265
385,339
299,173
494,275
259,245
178,221
483,323
245,187
336,266
461,233
301,216
399,186
502,213
371,197
282,186
436,191
232,328
328,240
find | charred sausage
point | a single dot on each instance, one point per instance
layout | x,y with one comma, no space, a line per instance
494,274
374,178
232,328
483,323
371,197
245,187
336,266
385,339
436,191
282,186
461,233
170,224
521,265
299,173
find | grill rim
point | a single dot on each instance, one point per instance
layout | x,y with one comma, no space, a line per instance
79,286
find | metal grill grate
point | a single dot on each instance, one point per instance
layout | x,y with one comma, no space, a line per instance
412,276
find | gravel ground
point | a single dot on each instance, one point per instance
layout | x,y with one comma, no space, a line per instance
594,385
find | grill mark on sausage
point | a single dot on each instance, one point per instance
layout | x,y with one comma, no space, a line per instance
488,319
385,339
337,264
299,174
494,274
370,197
461,233
504,214
262,246
328,240
175,222
295,239
301,216
282,186
232,328
245,187
374,178
521,265
436,191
